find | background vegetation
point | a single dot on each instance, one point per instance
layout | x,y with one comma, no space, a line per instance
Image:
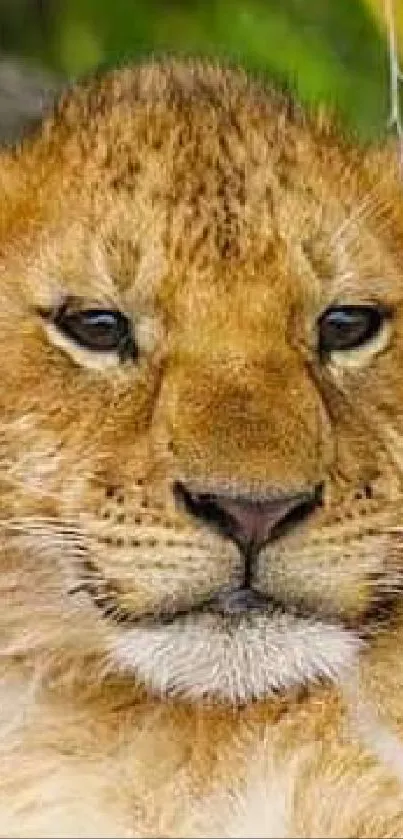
330,49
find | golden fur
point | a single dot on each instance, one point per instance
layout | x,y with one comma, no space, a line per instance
222,220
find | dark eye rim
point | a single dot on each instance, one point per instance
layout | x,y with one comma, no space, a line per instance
125,346
378,313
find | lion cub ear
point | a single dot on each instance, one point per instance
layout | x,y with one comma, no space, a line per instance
12,197
385,161
9,173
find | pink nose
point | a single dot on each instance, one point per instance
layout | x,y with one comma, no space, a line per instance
255,521
248,523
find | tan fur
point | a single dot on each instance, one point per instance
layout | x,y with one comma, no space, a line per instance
222,220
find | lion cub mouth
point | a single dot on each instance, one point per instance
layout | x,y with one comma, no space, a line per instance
238,601
233,646
230,602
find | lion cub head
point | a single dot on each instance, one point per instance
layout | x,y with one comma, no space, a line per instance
201,353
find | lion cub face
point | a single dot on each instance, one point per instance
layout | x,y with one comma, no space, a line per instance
201,352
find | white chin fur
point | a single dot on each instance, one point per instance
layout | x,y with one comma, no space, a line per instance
197,657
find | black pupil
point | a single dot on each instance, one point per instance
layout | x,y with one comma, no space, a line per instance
103,330
347,327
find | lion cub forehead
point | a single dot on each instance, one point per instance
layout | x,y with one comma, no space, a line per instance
119,266
184,175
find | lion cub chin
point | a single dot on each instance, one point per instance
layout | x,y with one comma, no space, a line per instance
201,437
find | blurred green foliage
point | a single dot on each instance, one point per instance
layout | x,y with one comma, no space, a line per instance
330,50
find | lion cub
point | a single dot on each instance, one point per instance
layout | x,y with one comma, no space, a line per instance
201,467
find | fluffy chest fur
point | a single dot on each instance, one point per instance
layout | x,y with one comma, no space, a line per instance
111,763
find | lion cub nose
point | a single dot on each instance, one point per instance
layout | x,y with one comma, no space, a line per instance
249,523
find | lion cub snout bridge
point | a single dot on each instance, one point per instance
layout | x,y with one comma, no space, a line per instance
249,522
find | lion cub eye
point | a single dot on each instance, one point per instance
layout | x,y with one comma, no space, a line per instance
349,327
100,330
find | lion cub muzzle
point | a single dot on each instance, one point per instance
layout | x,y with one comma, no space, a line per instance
250,524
